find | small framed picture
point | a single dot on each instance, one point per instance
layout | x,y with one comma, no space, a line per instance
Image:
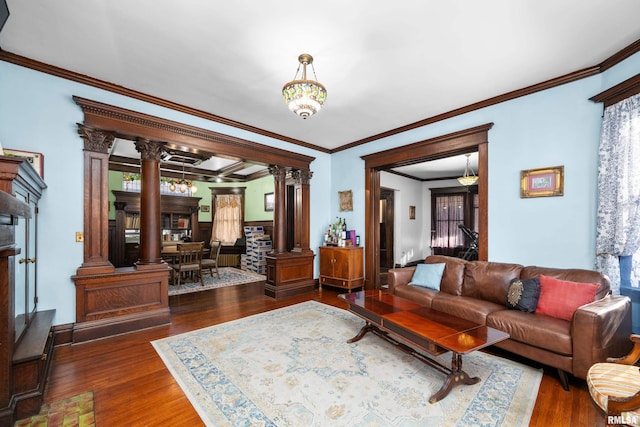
205,208
542,182
345,200
412,212
35,159
269,202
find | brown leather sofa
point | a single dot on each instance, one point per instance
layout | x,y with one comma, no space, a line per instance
477,291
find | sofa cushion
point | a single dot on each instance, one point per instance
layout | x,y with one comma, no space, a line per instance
489,280
523,294
573,274
428,275
561,298
453,275
534,329
466,308
417,294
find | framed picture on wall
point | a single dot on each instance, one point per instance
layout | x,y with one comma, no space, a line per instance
345,200
269,202
412,212
35,159
542,182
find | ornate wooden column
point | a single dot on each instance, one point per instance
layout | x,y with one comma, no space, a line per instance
111,300
150,250
96,200
290,273
280,210
302,210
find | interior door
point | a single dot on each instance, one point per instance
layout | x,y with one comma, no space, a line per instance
386,228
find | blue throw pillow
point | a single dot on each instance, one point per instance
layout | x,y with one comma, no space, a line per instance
428,276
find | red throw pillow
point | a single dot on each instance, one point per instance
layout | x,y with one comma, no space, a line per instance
561,298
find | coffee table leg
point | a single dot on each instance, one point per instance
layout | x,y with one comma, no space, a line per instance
366,328
456,377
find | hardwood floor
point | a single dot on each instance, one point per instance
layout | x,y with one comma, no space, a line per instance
132,386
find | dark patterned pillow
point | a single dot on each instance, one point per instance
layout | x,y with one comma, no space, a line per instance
523,294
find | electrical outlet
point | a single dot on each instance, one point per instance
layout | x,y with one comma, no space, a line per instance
79,236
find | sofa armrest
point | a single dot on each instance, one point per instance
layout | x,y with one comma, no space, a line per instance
599,330
399,276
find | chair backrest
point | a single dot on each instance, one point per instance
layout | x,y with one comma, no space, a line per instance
190,253
471,235
216,245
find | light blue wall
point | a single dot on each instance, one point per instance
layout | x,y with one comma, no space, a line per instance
559,126
555,127
37,113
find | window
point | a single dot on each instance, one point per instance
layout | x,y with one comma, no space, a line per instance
451,207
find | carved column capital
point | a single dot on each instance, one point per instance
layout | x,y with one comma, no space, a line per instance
149,150
279,173
95,139
302,176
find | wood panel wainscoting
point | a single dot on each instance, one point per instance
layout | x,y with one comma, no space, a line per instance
288,276
124,301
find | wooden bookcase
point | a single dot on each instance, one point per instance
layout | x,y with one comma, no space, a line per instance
179,217
26,339
342,267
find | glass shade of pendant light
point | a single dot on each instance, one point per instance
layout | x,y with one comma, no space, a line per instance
304,97
469,177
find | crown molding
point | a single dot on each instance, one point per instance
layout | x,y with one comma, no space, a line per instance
121,90
558,81
613,60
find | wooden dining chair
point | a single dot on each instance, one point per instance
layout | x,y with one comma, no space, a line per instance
189,260
212,262
614,387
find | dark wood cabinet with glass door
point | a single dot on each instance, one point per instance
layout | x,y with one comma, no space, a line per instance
26,341
178,219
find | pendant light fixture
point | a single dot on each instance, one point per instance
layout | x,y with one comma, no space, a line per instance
469,177
304,97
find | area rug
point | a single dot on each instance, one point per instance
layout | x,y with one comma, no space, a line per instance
229,276
293,367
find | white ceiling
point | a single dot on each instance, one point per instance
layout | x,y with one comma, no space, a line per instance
384,64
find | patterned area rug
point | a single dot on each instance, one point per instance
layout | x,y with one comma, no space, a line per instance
229,276
293,367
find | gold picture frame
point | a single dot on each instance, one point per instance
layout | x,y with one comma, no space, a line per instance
543,182
345,199
412,212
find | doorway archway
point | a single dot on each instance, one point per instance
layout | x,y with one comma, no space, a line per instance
461,142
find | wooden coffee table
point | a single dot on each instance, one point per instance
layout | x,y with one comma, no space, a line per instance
417,330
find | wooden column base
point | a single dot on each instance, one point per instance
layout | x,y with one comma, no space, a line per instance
289,274
126,300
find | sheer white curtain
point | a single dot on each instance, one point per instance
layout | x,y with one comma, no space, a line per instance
618,228
449,212
227,222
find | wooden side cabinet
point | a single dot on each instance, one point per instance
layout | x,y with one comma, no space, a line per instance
342,267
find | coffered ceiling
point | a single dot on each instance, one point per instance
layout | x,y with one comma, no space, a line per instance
385,65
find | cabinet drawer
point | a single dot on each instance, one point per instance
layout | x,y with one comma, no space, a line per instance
341,283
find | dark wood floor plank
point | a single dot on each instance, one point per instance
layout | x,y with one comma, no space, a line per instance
132,386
